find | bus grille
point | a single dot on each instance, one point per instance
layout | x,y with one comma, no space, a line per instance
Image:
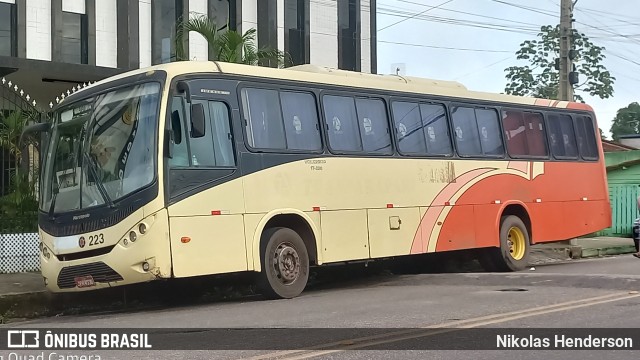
100,272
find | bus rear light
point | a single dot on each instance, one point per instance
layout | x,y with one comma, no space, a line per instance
142,228
133,236
185,239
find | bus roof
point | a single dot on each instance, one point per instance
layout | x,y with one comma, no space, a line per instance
325,75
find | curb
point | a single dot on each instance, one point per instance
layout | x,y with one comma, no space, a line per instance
609,250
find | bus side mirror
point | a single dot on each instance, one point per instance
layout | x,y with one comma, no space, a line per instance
35,128
197,121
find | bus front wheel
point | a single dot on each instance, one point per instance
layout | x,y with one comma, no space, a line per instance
285,264
513,253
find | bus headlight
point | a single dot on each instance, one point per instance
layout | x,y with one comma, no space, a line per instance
133,236
142,228
45,252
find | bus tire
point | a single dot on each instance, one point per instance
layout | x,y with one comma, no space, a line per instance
513,254
285,264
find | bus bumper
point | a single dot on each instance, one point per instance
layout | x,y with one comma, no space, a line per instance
146,259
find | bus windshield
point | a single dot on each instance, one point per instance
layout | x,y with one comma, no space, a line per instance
101,149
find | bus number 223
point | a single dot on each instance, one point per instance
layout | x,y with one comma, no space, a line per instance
96,239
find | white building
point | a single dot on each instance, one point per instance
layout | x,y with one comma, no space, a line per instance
49,46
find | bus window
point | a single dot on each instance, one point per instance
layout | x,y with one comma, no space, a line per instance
466,131
263,120
215,149
406,119
342,123
374,126
180,151
524,132
300,121
586,136
534,129
436,129
490,139
220,125
562,138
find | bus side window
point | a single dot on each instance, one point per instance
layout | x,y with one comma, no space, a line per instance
534,124
562,137
263,117
524,132
408,124
215,148
180,151
342,123
436,129
220,126
300,121
586,137
466,131
490,138
374,126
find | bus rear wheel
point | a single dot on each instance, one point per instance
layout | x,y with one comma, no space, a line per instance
513,253
285,264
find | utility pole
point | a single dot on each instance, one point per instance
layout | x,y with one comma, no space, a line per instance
567,76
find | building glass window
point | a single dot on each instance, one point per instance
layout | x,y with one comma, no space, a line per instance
296,30
8,29
75,40
268,28
165,15
349,35
222,12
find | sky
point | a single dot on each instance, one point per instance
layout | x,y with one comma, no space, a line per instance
415,41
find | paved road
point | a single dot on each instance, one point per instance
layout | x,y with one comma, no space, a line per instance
599,293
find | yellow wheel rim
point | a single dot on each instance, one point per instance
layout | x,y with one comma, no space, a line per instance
517,243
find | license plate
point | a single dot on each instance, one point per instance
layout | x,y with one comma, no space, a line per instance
85,281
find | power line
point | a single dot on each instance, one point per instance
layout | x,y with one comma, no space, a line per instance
484,67
472,14
445,47
536,10
417,14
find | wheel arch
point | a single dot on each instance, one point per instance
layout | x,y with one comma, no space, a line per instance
519,209
295,220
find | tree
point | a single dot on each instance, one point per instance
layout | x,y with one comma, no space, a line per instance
627,121
540,78
228,46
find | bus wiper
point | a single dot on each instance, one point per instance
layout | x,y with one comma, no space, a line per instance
103,191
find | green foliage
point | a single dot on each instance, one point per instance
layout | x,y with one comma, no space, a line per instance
540,78
228,46
19,207
627,121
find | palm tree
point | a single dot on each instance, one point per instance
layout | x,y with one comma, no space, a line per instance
228,46
11,127
22,196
